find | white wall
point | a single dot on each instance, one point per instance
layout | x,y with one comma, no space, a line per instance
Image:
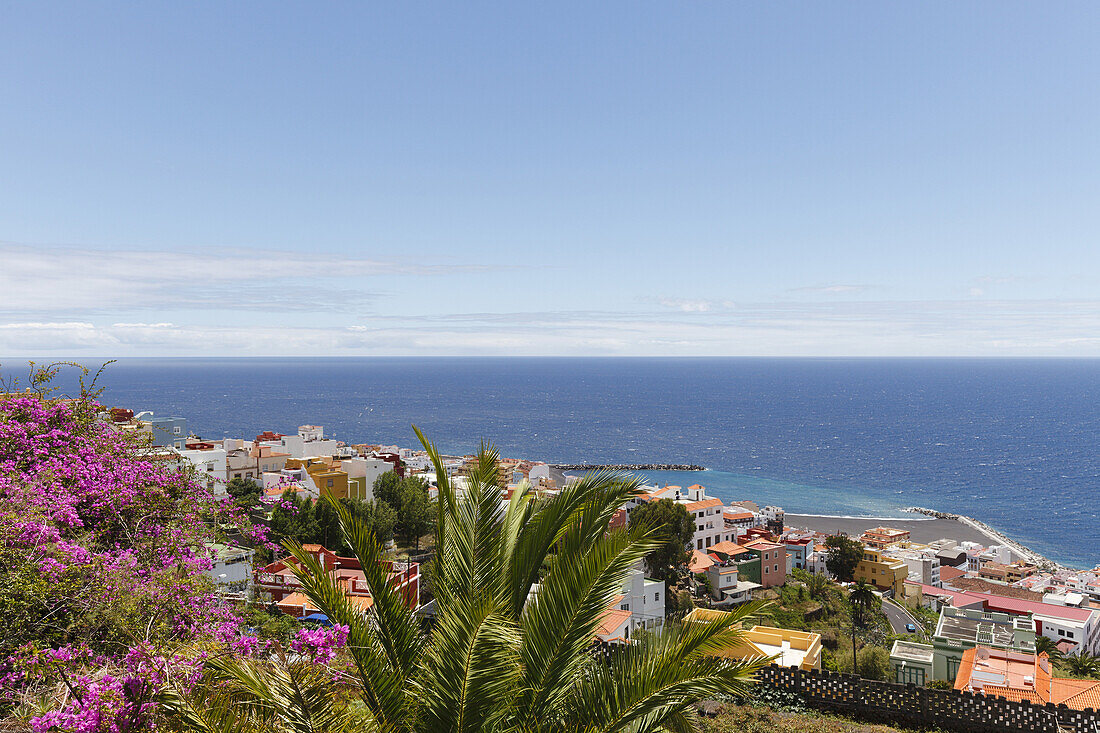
645,599
209,464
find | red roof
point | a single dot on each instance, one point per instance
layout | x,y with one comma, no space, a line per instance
949,573
728,548
699,562
1037,608
704,504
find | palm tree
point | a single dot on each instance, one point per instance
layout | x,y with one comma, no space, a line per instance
862,596
816,585
1082,664
1046,645
521,586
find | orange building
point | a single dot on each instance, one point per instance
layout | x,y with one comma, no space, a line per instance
1018,676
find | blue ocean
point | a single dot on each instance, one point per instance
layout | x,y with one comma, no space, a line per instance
1011,442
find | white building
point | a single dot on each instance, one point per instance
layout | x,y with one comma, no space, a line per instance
645,599
209,465
707,512
922,562
726,588
308,443
366,468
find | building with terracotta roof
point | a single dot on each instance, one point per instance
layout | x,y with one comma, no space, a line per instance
706,511
614,626
880,537
699,562
1006,573
278,581
799,549
1017,676
733,573
739,519
641,605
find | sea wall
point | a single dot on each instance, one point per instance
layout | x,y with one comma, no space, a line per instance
1023,551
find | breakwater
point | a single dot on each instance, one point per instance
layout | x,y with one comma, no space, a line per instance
627,466
1026,553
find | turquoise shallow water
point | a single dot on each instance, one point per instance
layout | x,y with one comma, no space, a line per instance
1012,442
792,496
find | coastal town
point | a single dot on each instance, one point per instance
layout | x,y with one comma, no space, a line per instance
969,609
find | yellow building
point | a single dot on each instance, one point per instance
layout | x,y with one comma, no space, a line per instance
799,649
885,573
328,477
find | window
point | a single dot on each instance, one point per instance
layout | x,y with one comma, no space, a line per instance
624,607
910,675
330,482
176,430
1061,632
952,667
700,543
700,528
656,596
776,568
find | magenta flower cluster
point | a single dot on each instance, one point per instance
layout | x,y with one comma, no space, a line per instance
118,698
320,644
120,534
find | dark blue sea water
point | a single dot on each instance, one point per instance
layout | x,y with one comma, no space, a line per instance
1011,442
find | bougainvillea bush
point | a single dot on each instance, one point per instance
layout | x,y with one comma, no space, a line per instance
104,548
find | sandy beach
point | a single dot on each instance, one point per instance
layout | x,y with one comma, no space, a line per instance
921,529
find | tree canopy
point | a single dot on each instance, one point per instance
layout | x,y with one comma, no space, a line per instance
674,527
300,519
412,507
842,556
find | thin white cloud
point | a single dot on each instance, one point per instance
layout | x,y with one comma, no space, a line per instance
847,328
696,305
830,289
69,280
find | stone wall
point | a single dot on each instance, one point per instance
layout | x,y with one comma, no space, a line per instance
920,707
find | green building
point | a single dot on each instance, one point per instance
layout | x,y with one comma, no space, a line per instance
960,629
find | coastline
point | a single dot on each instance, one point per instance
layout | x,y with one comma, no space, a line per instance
932,526
1029,555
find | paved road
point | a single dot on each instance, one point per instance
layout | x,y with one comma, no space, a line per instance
899,617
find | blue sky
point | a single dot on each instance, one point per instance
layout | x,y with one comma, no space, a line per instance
554,178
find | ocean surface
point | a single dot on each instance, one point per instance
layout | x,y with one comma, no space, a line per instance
1011,442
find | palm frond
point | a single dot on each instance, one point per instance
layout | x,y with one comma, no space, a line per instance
297,697
470,670
383,683
595,495
560,623
649,685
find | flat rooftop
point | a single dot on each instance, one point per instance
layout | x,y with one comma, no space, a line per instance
913,652
980,631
